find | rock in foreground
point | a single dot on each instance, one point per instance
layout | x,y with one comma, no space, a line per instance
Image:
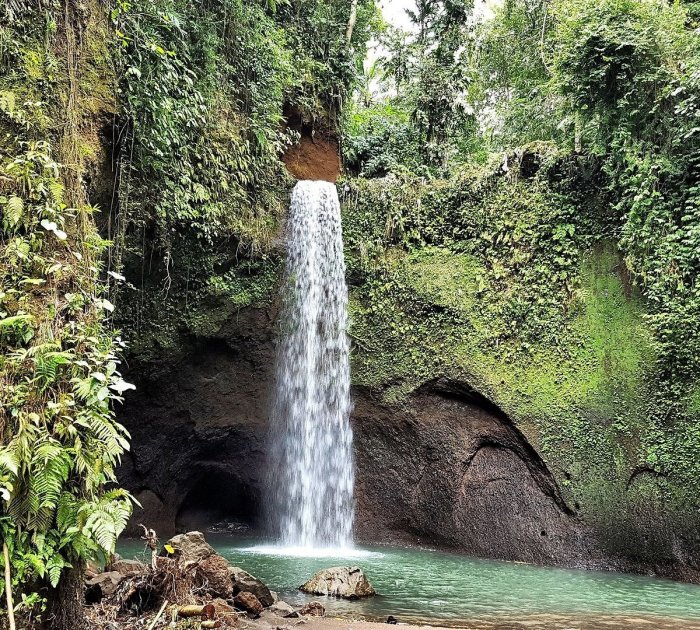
345,582
248,603
244,581
189,548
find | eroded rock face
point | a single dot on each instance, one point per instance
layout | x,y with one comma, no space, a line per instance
345,582
198,430
446,467
451,468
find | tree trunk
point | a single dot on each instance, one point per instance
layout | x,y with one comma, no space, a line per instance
352,21
65,602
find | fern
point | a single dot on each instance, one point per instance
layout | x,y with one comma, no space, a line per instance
56,189
14,209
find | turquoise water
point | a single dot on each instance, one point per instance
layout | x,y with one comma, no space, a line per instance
442,588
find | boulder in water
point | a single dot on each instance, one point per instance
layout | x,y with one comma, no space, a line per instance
190,547
244,581
345,582
249,603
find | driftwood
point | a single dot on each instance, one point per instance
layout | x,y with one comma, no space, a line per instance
190,611
8,586
168,588
158,616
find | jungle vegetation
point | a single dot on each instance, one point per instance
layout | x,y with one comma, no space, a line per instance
139,168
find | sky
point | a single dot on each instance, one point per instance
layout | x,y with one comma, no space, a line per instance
394,11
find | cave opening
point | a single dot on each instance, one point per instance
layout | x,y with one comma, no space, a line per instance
218,499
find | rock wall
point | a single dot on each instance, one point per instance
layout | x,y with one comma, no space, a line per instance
443,467
198,428
449,467
446,468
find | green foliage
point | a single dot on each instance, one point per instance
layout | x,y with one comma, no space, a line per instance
380,139
202,188
59,441
326,63
615,85
421,120
496,281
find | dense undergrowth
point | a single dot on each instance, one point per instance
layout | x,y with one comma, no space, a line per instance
201,187
561,281
59,440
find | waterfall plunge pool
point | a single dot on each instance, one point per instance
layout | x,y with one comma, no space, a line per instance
448,589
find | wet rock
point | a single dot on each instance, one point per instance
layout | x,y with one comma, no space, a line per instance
190,547
244,581
282,609
249,603
345,582
391,620
102,585
313,609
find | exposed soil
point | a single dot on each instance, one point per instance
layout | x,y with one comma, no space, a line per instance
314,158
317,154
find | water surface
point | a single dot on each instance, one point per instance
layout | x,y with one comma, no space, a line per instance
424,586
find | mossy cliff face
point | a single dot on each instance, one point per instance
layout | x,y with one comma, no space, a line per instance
506,285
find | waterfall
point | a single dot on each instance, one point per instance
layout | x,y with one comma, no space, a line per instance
312,463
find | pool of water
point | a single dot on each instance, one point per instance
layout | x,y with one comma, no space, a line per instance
420,585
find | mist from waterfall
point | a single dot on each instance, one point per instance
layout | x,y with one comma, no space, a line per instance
312,468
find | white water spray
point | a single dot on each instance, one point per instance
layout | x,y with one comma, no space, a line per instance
312,463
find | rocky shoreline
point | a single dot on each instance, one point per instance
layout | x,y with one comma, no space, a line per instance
189,585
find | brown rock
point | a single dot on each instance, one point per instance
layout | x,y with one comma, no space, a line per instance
244,581
212,574
314,609
190,547
249,603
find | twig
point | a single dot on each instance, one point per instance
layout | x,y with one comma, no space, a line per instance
158,616
8,587
149,535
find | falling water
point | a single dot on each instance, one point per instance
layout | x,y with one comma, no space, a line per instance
313,471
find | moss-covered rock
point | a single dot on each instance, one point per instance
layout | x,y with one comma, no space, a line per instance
510,285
